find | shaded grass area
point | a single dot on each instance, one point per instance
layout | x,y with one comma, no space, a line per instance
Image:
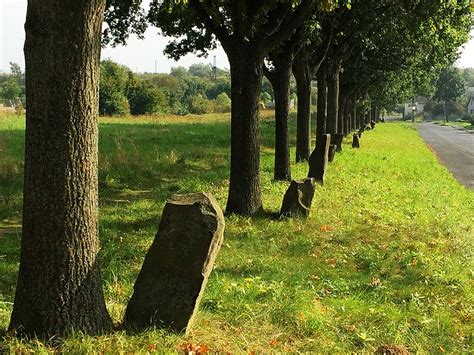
385,258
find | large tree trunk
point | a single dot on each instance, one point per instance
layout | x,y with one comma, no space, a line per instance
59,285
333,99
246,81
280,80
322,99
303,76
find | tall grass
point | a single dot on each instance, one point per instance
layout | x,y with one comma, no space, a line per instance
385,258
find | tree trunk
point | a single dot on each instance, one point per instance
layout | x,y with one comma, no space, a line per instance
59,286
302,74
333,99
280,80
246,81
340,115
322,99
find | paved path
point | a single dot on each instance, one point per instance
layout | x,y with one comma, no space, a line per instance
454,148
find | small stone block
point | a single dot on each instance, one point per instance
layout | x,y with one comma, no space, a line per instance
331,152
355,141
298,198
174,274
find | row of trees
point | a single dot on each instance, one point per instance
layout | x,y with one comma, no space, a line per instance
364,54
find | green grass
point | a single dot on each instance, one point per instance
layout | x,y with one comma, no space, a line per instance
385,258
457,123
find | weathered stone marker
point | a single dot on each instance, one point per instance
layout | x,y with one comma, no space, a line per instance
331,152
355,141
298,198
176,268
318,159
336,139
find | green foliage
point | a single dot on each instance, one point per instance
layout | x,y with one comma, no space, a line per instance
201,105
10,89
450,85
145,98
385,257
113,83
265,98
223,102
453,108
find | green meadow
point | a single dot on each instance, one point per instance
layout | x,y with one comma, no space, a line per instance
386,256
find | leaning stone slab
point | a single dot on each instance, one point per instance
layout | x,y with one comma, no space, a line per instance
318,159
298,198
355,141
176,268
337,140
331,152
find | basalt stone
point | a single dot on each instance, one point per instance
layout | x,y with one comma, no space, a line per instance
337,140
331,152
174,274
318,159
355,141
298,198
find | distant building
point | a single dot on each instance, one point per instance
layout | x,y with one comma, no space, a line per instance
470,103
419,106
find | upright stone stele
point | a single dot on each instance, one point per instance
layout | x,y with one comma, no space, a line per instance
174,274
355,141
331,152
336,139
318,159
298,198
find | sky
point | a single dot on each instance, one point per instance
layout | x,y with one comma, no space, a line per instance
138,55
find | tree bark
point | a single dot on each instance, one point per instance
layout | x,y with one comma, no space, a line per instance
246,81
333,99
59,285
280,80
303,76
322,99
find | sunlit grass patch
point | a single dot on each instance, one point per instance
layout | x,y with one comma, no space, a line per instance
385,258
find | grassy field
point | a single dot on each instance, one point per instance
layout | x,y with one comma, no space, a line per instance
385,258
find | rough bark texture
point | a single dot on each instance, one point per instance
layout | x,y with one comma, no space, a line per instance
280,80
322,99
303,76
246,80
319,158
177,266
340,114
333,99
59,285
298,198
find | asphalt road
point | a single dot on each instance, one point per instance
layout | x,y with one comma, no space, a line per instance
454,148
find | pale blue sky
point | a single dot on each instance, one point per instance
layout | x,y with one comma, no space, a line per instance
139,55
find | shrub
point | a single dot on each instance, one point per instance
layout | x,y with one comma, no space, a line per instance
201,105
146,99
223,103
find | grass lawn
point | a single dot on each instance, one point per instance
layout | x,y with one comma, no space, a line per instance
385,258
463,124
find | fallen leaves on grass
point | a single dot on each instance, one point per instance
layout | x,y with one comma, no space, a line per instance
326,228
190,348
